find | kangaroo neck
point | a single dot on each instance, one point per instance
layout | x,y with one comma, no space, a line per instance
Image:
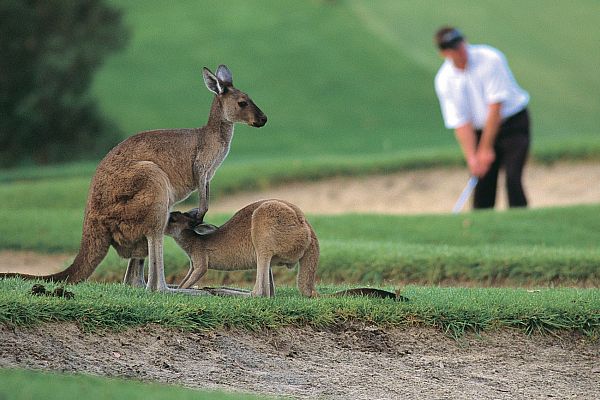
217,125
189,241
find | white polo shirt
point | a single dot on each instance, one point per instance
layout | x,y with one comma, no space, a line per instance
466,94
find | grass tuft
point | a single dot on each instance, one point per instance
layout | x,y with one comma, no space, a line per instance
453,311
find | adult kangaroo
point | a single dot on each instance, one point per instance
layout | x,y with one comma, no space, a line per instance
139,180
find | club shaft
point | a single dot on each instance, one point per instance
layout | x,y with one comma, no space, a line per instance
464,196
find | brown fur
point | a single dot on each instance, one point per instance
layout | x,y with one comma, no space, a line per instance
260,235
139,180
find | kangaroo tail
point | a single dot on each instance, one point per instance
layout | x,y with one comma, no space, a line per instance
94,246
370,292
307,272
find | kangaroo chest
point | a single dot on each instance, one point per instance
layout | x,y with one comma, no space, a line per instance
211,153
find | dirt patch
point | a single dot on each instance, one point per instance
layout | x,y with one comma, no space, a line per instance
352,363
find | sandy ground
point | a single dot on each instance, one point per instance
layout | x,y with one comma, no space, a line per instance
29,262
349,363
426,191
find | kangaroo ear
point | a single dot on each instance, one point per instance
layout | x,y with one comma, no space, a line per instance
212,82
192,214
174,215
205,229
224,74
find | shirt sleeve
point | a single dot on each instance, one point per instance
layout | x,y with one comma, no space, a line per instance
452,103
498,82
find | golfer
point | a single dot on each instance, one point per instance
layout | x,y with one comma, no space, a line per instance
481,100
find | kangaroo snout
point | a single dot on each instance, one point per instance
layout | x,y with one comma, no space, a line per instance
261,121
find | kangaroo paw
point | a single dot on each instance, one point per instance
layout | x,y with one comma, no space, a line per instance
228,292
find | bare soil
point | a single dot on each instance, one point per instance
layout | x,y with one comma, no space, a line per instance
358,362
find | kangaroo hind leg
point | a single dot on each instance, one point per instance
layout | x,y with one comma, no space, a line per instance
156,267
134,275
262,286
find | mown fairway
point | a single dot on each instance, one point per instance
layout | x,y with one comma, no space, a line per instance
25,385
536,248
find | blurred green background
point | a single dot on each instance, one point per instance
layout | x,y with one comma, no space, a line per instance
350,78
347,84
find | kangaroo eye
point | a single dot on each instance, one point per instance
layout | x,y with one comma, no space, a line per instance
242,103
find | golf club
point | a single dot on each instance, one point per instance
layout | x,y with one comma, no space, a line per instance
466,193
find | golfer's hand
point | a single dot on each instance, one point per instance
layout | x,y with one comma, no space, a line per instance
484,159
473,165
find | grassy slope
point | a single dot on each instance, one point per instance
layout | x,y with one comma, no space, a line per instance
550,59
327,85
350,78
26,385
453,310
346,84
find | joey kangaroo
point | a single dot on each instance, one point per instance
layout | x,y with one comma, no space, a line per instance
262,234
140,179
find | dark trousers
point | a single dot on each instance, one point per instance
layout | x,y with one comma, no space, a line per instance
512,148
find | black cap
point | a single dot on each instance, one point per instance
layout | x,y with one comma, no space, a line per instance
449,38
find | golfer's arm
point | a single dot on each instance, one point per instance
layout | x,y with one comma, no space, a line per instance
465,135
492,126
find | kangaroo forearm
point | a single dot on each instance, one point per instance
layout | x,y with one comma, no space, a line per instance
203,194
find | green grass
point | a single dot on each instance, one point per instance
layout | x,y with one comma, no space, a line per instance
351,80
27,385
452,310
554,246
